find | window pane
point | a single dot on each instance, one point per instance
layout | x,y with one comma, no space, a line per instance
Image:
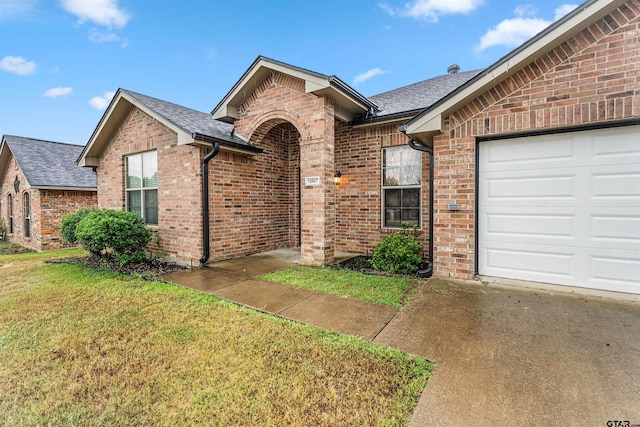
393,156
151,206
392,177
411,176
134,202
150,169
134,171
392,217
411,157
411,198
392,198
412,216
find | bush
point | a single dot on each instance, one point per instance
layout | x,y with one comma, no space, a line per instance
69,223
398,253
124,233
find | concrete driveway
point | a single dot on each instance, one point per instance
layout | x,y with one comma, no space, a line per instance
521,357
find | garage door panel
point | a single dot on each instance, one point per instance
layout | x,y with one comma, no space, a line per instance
527,225
501,155
617,185
569,215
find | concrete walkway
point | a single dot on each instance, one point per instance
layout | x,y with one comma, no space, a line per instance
235,280
505,356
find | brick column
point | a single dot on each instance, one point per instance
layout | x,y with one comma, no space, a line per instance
318,201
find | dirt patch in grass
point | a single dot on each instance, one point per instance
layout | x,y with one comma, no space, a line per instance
10,248
80,346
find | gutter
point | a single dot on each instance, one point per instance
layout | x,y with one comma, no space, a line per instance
205,202
236,145
428,272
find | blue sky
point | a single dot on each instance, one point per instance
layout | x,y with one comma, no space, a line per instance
62,60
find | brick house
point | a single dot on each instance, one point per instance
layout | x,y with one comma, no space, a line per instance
40,184
296,158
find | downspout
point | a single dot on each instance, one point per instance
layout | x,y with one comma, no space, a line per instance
428,272
205,202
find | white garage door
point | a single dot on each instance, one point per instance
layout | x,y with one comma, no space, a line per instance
562,208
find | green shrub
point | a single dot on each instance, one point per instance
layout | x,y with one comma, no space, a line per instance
69,223
123,233
398,253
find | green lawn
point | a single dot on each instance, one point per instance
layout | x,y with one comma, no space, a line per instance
391,291
86,347
7,247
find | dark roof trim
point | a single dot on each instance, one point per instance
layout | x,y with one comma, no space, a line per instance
339,84
242,147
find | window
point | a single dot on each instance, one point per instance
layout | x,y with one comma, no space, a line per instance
401,182
27,215
10,212
142,185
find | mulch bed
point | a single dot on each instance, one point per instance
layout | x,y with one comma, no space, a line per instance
362,264
148,270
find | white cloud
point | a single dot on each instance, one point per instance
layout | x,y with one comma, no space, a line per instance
512,32
97,36
101,102
563,10
361,78
431,10
102,12
10,8
17,65
58,91
515,31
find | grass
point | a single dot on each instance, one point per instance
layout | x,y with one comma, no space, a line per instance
391,291
85,347
10,248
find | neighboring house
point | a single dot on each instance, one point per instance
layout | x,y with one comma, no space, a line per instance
535,160
40,184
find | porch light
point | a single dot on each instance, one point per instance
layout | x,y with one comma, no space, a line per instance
336,177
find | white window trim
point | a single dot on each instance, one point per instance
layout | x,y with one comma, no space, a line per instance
383,187
142,189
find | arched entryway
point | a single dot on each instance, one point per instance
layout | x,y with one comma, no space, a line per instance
280,169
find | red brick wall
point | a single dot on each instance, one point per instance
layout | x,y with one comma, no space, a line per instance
254,199
179,230
358,157
55,204
18,235
591,78
281,98
47,209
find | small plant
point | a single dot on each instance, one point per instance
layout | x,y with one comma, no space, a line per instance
3,231
123,233
69,223
398,253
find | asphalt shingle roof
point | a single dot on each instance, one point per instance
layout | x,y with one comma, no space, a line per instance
418,96
50,164
191,121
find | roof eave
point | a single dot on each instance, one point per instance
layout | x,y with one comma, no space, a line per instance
63,188
423,126
349,103
198,139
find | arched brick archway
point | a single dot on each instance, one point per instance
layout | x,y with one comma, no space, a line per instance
280,141
281,104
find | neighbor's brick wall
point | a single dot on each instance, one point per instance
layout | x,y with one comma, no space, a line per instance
254,199
593,77
358,157
55,204
179,231
281,98
18,235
